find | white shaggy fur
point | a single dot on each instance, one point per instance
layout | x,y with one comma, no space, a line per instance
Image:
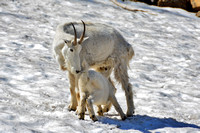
95,89
101,43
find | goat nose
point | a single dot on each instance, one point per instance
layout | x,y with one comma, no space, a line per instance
77,71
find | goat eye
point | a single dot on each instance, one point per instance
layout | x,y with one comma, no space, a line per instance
71,50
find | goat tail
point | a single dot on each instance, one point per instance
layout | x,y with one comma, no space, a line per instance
131,53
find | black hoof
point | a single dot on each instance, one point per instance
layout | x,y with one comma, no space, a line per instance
81,116
124,118
129,115
71,109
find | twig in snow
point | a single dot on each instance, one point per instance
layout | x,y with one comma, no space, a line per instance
126,8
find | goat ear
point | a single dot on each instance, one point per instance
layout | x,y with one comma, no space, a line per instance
66,42
84,39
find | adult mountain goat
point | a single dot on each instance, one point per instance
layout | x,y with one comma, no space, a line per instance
97,43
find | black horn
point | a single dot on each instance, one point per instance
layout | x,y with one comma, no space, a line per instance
83,34
75,35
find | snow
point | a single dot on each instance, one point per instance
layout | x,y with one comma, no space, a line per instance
165,72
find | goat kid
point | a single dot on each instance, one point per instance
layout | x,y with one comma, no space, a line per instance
106,71
94,88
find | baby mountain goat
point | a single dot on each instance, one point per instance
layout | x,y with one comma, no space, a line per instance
106,71
94,88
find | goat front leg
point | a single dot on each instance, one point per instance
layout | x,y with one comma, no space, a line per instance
91,109
73,104
82,105
113,100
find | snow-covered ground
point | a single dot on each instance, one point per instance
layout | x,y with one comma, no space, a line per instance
165,72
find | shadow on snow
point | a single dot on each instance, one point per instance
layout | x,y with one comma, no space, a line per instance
145,123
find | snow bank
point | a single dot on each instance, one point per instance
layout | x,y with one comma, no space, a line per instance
165,72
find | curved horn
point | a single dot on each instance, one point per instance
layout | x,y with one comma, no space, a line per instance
75,36
83,34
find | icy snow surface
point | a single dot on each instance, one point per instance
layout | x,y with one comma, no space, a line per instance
165,72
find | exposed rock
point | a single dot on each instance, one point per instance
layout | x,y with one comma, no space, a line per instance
151,2
195,5
174,3
198,14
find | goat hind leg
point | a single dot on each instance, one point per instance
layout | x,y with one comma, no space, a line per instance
107,107
91,109
100,111
129,99
113,100
121,75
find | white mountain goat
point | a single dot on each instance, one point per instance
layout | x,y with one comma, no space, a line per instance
101,43
106,70
94,88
